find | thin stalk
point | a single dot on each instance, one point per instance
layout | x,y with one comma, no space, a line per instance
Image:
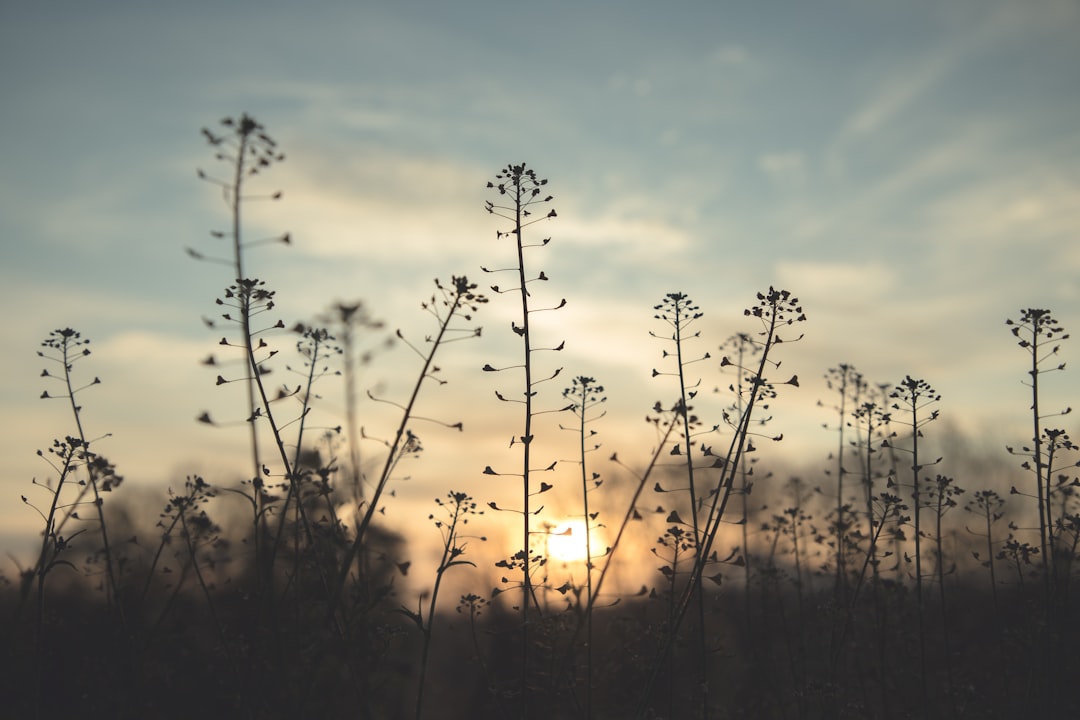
585,394
461,294
451,550
775,307
1042,484
913,396
523,186
244,133
631,513
679,312
526,440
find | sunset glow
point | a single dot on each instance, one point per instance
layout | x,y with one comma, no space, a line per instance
566,542
540,360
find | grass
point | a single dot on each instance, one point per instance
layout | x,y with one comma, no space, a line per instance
858,591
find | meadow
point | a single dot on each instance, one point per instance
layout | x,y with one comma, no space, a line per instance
893,576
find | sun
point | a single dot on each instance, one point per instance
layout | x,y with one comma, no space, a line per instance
566,541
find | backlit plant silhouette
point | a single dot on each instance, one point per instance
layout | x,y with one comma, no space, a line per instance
912,398
449,305
776,311
247,150
523,200
587,395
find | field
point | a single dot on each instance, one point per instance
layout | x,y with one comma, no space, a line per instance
692,577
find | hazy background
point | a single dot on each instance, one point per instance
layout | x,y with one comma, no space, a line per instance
909,170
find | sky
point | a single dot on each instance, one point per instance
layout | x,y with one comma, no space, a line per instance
908,170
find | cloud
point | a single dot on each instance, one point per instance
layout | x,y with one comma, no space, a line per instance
907,90
1032,207
787,170
730,55
383,206
837,283
895,95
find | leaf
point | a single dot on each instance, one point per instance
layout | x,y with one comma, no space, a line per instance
415,617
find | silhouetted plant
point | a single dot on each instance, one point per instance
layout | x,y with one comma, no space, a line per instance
743,348
185,519
244,146
475,606
1019,554
941,494
872,425
883,511
678,311
448,304
989,506
776,310
522,189
307,481
664,423
886,509
674,548
244,301
67,347
348,319
912,398
586,395
1034,330
1040,334
790,523
849,386
457,508
81,470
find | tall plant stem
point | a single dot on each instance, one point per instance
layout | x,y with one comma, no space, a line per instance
917,510
450,551
662,440
523,187
1046,537
526,439
696,578
912,397
392,456
246,127
773,309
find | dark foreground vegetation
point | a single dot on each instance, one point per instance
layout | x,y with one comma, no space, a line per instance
881,588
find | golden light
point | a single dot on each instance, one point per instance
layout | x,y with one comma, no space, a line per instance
566,541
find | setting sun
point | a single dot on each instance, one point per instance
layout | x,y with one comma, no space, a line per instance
566,541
